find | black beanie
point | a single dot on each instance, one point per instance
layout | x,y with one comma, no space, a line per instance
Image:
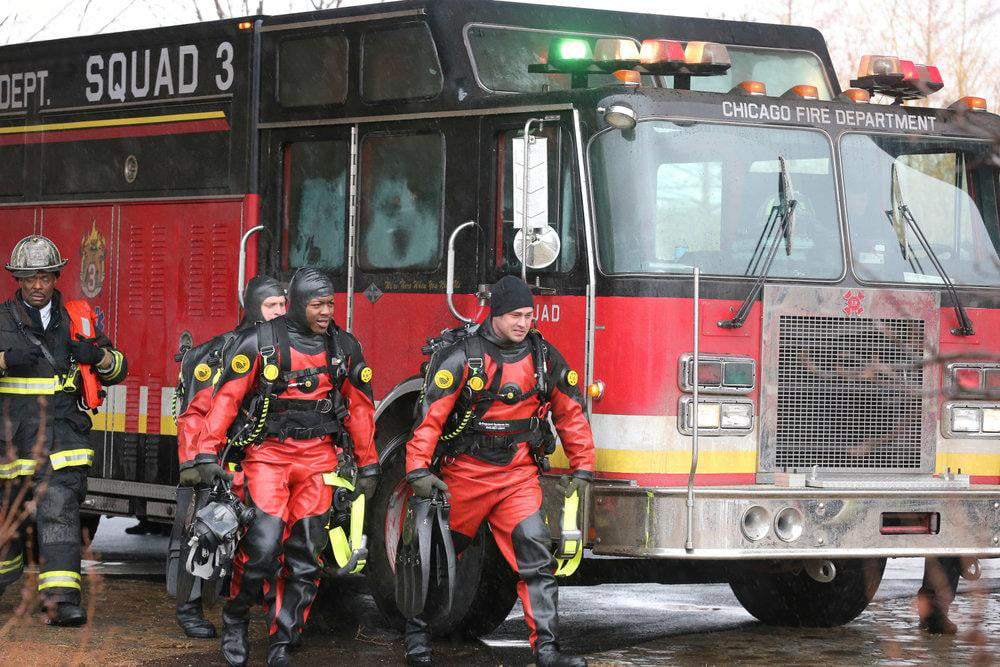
510,293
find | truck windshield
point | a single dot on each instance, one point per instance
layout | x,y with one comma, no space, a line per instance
949,185
671,195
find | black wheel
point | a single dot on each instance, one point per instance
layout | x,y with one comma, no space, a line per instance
793,598
485,588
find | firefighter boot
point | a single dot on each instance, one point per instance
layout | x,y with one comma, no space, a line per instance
193,622
418,643
535,566
65,614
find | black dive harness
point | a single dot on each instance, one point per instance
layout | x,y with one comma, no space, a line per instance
268,416
495,441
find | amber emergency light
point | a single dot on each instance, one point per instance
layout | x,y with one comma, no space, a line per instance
894,77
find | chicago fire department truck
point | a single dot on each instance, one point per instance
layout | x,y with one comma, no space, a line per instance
782,297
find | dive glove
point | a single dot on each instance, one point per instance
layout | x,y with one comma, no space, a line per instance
203,473
21,356
423,487
86,352
569,484
365,486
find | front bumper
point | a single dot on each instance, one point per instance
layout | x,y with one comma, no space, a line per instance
830,523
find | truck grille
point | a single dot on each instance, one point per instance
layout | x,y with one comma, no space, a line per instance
849,393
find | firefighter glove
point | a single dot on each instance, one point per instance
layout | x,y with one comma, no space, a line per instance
86,352
210,472
423,487
21,356
570,484
365,486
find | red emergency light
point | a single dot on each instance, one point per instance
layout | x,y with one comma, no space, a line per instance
893,77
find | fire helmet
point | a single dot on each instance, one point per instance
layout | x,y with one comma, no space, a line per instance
33,254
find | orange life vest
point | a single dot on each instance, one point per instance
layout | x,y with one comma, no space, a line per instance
83,322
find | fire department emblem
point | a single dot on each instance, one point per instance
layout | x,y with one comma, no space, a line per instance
854,302
92,251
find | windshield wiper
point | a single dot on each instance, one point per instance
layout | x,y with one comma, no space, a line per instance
779,225
900,216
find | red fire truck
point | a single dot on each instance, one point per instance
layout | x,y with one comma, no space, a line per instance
782,297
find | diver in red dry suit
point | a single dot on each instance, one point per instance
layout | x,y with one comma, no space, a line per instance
495,477
319,415
264,299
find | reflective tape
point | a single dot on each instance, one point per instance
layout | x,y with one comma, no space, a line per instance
59,579
11,565
71,457
17,468
117,359
31,386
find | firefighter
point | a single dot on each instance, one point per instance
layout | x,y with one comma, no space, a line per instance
53,360
305,387
264,299
490,468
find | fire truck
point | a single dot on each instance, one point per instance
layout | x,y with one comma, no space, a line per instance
781,296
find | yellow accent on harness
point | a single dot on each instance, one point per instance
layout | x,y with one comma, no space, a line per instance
443,379
570,550
232,466
572,378
31,386
17,468
202,372
344,547
270,372
59,579
11,565
71,457
240,363
476,383
366,374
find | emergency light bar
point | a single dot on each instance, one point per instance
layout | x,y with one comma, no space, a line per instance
969,104
893,77
568,55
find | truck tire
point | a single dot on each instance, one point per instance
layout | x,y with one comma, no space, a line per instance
793,598
485,588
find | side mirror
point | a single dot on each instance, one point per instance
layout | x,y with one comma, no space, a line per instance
536,244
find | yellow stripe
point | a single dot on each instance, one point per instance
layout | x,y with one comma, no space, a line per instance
666,463
30,386
66,579
59,573
17,468
167,426
987,465
71,457
108,421
60,584
10,565
114,122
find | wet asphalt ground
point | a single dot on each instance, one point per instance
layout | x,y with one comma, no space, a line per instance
612,624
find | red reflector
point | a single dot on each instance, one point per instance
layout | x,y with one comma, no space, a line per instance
710,373
660,54
968,379
910,523
934,75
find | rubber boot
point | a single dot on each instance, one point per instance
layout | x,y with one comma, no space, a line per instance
193,622
549,656
306,540
65,614
279,656
418,643
235,639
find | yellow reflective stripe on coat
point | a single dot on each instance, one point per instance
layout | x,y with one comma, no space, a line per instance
11,565
30,386
71,457
118,358
58,579
17,468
